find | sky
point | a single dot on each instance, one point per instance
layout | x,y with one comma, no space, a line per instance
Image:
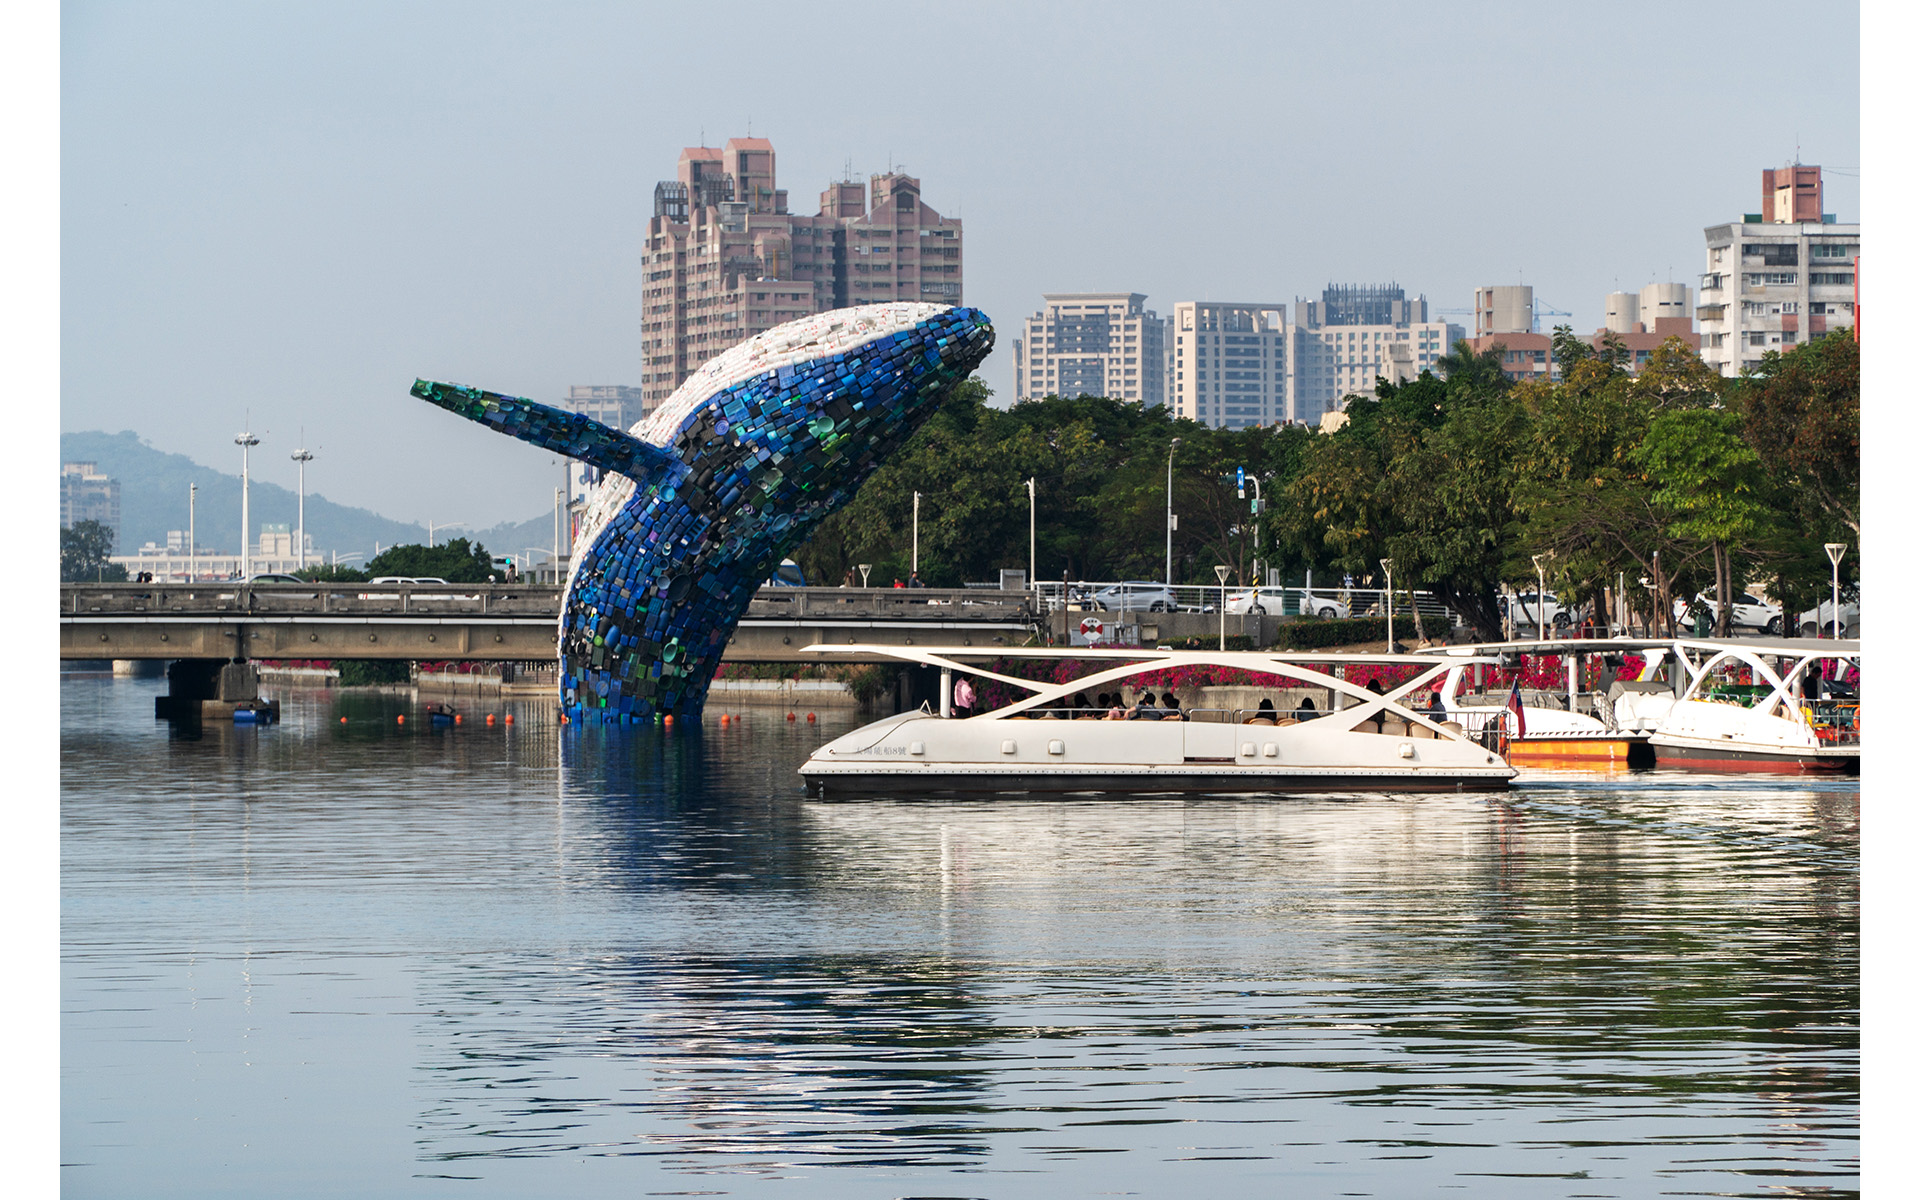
281,215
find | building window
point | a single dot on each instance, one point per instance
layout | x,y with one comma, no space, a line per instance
1844,277
1757,338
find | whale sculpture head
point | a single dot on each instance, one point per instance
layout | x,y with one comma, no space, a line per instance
700,501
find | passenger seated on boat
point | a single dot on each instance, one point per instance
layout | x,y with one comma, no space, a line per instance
1263,715
1143,708
1172,705
1115,710
1083,711
1307,710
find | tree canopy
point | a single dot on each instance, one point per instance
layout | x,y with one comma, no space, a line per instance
1668,480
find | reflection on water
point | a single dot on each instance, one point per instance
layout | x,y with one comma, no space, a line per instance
556,960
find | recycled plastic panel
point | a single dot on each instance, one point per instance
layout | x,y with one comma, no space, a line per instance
705,497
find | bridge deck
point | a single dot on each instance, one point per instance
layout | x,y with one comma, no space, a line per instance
498,622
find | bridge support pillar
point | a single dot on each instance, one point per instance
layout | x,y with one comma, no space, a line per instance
192,681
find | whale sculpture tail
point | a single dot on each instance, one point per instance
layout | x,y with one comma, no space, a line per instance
727,477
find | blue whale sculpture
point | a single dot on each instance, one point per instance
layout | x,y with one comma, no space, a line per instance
699,502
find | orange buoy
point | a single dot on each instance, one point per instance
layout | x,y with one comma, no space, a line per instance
401,719
457,718
509,718
809,718
343,720
789,716
489,718
669,719
724,719
565,719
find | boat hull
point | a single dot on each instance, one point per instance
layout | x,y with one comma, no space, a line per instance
1700,757
838,784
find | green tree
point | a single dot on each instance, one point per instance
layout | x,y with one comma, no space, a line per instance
455,561
1801,414
84,548
331,574
1707,474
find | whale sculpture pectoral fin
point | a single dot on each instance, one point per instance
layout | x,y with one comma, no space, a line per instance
550,428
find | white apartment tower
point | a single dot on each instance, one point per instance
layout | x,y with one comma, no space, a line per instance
1353,335
1779,278
1229,363
1093,344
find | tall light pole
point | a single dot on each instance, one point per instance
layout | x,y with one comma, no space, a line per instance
245,441
557,493
303,456
1033,557
1171,447
1540,598
1835,552
916,533
1386,565
1220,570
433,525
193,563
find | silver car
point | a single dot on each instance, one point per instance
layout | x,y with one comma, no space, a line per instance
1135,596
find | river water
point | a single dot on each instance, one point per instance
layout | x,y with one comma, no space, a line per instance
374,959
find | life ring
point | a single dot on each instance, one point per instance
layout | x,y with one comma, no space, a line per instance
1092,627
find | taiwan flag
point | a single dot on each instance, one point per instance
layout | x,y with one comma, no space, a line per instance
1519,722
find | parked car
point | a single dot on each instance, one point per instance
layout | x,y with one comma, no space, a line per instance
1817,622
1749,611
272,577
1135,596
408,579
1531,608
1278,600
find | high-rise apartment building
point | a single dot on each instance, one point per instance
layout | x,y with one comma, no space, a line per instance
87,495
724,259
1780,277
615,405
1094,344
1229,363
1353,335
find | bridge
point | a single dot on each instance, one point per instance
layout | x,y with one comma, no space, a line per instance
495,622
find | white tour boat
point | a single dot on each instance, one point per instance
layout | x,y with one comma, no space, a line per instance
1353,739
1574,727
1762,705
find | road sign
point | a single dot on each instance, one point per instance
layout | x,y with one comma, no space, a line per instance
1240,481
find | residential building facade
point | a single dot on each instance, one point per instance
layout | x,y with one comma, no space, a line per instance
1778,278
724,259
1229,363
1095,344
87,495
1354,335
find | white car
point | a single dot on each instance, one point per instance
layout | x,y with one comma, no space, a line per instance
1277,600
1530,610
1818,622
1749,611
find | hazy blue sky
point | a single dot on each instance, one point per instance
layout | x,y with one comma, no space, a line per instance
298,208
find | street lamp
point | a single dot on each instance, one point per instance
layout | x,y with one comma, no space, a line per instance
1540,597
245,441
434,525
1386,565
303,456
1835,552
916,533
193,563
1220,570
864,568
1033,558
1171,447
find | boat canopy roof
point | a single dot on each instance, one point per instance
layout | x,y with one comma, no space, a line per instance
1315,670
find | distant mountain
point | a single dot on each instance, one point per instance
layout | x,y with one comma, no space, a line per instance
153,500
